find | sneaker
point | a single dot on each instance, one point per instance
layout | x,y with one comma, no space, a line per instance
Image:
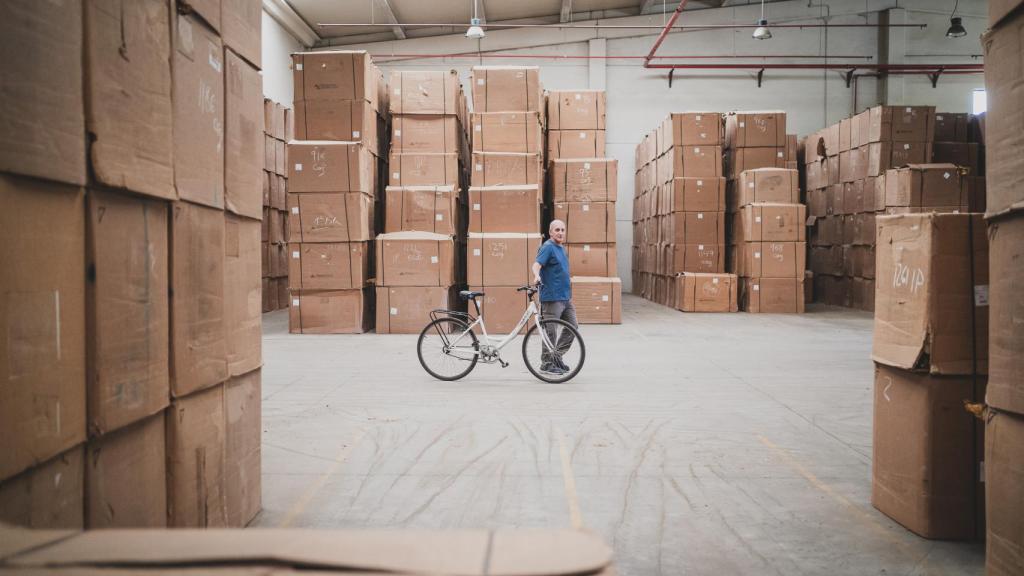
564,367
551,368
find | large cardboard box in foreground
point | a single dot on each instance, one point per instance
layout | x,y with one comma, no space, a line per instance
195,460
126,477
507,88
415,259
926,462
598,300
242,465
1004,139
1006,347
242,303
47,496
406,309
702,292
1004,475
331,311
243,154
42,344
240,22
932,293
502,259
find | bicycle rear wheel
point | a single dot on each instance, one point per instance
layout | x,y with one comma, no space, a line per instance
563,343
446,350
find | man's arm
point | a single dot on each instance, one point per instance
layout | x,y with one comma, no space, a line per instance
536,272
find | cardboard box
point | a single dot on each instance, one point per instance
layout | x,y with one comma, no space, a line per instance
240,27
590,222
126,477
276,228
598,300
771,222
195,460
771,259
576,109
242,429
328,265
592,259
128,310
198,333
755,129
269,298
694,228
845,133
690,162
576,144
585,180
501,259
951,126
963,154
243,323
269,154
426,133
738,160
43,343
330,217
926,186
853,164
198,70
506,169
406,309
932,293
279,200
1004,451
49,496
696,195
336,75
425,92
128,96
289,125
507,132
346,120
691,129
882,156
1006,366
1004,80
772,295
502,307
424,169
331,311
925,463
44,118
709,258
281,158
506,88
415,259
702,292
324,166
505,208
768,185
901,124
421,208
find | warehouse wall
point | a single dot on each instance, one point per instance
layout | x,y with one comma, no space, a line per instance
639,98
278,44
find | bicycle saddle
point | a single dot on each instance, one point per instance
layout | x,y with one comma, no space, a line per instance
469,294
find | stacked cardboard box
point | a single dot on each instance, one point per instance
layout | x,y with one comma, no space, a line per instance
1004,430
930,346
105,367
334,168
576,138
278,128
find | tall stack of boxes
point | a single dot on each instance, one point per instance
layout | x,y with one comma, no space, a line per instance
505,194
418,264
278,128
1004,427
582,193
131,363
334,169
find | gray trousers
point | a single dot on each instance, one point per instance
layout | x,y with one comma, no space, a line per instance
563,310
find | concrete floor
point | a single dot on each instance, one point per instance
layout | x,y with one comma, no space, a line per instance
694,444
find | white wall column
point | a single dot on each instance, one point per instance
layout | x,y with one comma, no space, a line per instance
598,68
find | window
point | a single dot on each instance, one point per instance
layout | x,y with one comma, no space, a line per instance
978,102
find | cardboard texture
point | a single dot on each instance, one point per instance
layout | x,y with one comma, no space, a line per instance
771,222
325,166
506,88
951,126
592,222
506,169
1004,81
771,259
1006,366
507,132
883,156
198,70
926,186
585,180
701,292
694,228
501,259
330,217
415,259
925,462
901,124
242,429
243,322
1004,451
128,310
195,460
336,75
44,112
695,195
692,129
690,162
576,109
406,309
243,93
198,334
345,120
328,266
709,258
768,185
417,133
592,259
421,208
42,345
126,477
505,208
576,144
424,169
755,129
426,92
501,306
932,293
48,496
128,95
240,27
967,155
597,300
289,124
330,312
772,295
739,160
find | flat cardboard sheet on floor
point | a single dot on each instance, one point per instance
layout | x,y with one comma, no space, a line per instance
126,477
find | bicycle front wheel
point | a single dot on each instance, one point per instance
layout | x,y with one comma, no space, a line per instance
447,349
557,354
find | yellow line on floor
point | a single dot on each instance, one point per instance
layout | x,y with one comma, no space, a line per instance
300,505
575,517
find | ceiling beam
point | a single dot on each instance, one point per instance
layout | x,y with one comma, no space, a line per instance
290,20
566,15
390,15
647,5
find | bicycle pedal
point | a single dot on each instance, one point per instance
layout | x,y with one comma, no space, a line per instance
503,363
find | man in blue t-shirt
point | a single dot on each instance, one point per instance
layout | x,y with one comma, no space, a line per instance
551,269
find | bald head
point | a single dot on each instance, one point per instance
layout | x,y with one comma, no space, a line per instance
556,231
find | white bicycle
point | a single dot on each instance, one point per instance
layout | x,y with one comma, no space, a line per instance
449,347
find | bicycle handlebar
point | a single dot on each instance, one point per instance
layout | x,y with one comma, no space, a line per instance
530,287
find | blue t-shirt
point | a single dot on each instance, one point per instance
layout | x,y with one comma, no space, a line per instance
554,272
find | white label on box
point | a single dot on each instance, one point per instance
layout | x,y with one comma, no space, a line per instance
696,150
439,217
477,128
214,62
398,91
750,184
476,207
714,280
743,124
586,247
298,66
355,133
945,175
700,246
700,182
906,146
295,301
476,251
757,254
908,108
981,295
479,81
604,298
298,167
583,135
586,165
703,135
757,219
479,167
938,117
295,209
579,96
700,215
394,311
586,207
398,133
779,154
396,175
295,254
433,259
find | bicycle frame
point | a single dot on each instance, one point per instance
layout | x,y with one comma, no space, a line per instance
532,310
